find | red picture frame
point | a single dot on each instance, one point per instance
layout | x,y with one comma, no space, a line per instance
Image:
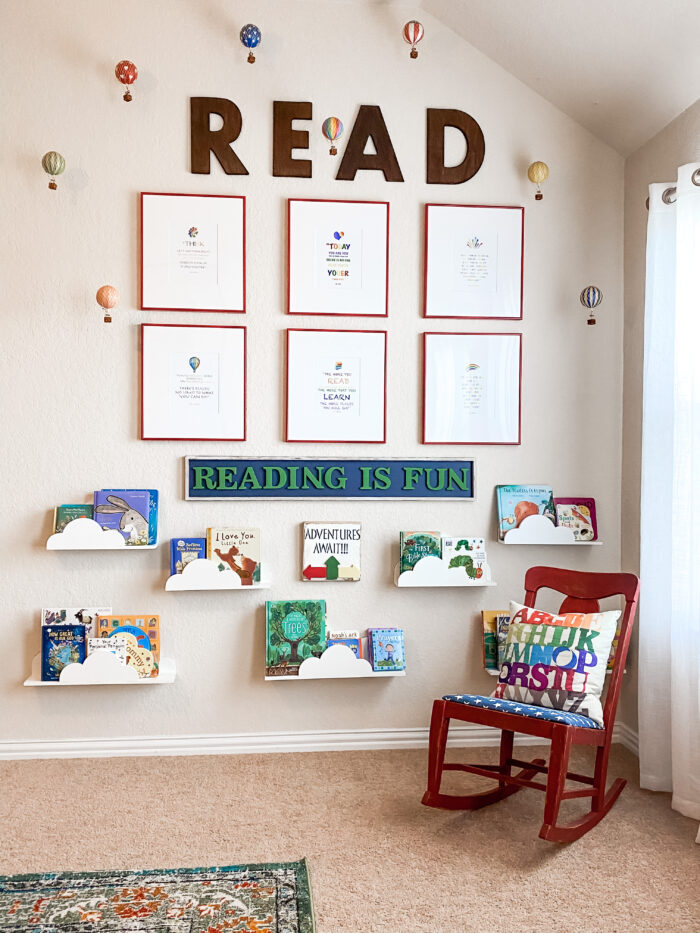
335,314
169,194
514,443
241,327
327,330
473,317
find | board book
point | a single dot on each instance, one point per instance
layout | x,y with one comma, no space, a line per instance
126,510
236,550
331,551
184,550
142,634
578,515
468,553
295,630
385,648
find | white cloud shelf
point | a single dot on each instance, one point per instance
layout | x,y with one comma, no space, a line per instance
204,574
101,667
85,534
538,529
336,662
432,571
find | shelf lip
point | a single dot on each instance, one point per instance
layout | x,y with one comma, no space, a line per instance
341,676
538,529
554,543
167,673
85,534
431,572
337,662
203,574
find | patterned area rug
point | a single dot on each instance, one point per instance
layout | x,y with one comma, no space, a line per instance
272,898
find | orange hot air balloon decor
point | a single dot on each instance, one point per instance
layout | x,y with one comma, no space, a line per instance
107,298
126,73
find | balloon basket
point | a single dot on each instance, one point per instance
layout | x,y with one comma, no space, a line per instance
539,196
127,95
107,318
414,53
53,185
333,150
591,320
251,58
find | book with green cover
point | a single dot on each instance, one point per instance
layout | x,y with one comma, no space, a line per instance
295,631
414,545
65,513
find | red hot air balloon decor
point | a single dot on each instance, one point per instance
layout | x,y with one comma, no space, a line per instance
107,298
413,33
126,73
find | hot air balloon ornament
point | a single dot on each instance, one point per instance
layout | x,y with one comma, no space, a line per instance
107,298
590,298
332,129
194,362
53,164
413,33
126,73
251,37
537,173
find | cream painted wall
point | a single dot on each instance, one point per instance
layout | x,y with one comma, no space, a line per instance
70,382
656,161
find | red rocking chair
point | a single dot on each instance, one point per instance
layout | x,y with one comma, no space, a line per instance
582,592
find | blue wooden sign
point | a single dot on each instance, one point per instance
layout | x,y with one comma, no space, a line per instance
242,478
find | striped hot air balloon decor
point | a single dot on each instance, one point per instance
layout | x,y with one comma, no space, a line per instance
332,129
53,164
590,298
413,33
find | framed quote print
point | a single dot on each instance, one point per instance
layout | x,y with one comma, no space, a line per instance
338,257
192,252
336,386
193,382
474,261
471,391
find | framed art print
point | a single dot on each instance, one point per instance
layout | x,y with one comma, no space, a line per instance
336,386
338,257
192,252
193,382
471,390
474,261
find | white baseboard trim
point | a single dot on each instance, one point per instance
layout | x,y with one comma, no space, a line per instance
258,743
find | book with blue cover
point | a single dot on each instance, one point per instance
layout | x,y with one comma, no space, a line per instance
61,645
184,550
385,647
516,503
128,511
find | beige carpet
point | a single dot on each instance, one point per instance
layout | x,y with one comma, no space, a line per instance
380,862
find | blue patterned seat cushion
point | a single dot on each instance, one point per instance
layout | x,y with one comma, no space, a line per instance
523,709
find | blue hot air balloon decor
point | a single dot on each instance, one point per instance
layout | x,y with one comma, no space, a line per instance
590,298
194,363
251,37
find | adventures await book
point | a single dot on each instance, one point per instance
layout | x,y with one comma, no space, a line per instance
516,503
295,631
236,550
331,551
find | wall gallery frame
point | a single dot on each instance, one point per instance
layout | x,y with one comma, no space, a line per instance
193,382
472,388
192,252
336,386
338,257
473,261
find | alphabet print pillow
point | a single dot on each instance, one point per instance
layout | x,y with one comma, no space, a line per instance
557,661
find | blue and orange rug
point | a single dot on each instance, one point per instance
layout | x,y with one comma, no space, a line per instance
266,898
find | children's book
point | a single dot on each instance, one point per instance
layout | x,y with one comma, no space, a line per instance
63,514
126,510
457,552
354,644
516,503
490,645
417,544
140,631
116,645
184,550
502,623
331,551
236,550
296,630
578,515
61,645
86,617
386,649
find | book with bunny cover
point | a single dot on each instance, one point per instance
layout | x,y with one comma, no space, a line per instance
126,510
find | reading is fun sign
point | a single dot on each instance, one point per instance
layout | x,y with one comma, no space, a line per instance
369,125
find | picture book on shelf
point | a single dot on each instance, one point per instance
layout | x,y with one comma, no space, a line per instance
502,623
86,617
142,635
63,514
495,626
133,512
516,503
61,645
184,550
468,553
578,515
116,645
386,649
236,550
295,630
354,643
331,551
414,545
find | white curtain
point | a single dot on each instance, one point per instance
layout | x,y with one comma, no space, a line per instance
669,621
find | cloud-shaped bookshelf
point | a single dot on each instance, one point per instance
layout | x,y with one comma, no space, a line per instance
538,529
101,667
86,534
204,574
338,661
432,571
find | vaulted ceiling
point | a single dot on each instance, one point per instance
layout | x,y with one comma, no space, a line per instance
622,68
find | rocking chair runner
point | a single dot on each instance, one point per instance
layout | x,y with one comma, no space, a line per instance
582,592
